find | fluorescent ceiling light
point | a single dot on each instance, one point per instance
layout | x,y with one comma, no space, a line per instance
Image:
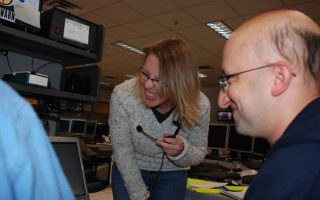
104,83
221,28
202,75
128,47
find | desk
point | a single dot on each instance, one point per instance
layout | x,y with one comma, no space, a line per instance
104,153
192,195
105,147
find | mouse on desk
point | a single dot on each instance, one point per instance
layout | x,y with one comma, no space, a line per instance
236,169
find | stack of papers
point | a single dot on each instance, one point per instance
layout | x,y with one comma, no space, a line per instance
211,187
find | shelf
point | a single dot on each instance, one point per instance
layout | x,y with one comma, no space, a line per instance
27,89
25,43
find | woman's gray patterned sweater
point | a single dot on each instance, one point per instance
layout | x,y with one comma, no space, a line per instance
133,151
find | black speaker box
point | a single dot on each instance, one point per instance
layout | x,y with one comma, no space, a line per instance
55,23
81,80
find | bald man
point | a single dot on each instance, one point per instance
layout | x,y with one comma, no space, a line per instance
271,80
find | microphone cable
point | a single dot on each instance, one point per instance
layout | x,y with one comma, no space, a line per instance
140,129
156,177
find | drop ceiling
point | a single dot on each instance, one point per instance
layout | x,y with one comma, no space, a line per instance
141,22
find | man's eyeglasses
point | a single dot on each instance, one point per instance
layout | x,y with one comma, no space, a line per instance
144,76
223,80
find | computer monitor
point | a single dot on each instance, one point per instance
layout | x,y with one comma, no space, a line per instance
261,146
78,126
224,115
64,125
102,129
69,154
217,136
237,142
91,128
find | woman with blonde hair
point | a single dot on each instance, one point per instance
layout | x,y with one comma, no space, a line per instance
158,125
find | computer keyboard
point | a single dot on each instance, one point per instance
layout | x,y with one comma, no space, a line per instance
214,172
253,164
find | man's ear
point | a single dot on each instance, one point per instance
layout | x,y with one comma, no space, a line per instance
283,74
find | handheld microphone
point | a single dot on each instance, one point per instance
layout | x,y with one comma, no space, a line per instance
140,130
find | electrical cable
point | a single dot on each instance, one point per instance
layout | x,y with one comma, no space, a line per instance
32,65
157,175
140,129
43,66
7,57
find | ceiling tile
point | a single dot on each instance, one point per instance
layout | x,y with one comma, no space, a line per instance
212,11
145,27
92,5
140,42
187,3
244,7
309,9
118,13
150,7
196,32
121,33
97,19
77,7
211,60
294,2
234,23
176,19
217,51
211,43
203,54
108,39
195,47
164,35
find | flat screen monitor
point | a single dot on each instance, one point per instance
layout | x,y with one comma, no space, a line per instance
78,126
224,116
261,146
69,155
64,125
237,142
102,129
91,129
217,136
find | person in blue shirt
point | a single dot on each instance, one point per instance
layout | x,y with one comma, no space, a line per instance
29,168
271,81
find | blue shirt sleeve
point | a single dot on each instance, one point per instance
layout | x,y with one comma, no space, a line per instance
29,168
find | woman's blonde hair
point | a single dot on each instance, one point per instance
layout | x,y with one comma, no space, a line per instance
179,78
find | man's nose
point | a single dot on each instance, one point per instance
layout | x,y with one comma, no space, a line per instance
223,99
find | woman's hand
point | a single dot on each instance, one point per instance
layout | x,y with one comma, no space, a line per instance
171,146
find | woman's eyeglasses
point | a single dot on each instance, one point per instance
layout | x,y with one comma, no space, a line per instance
144,76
